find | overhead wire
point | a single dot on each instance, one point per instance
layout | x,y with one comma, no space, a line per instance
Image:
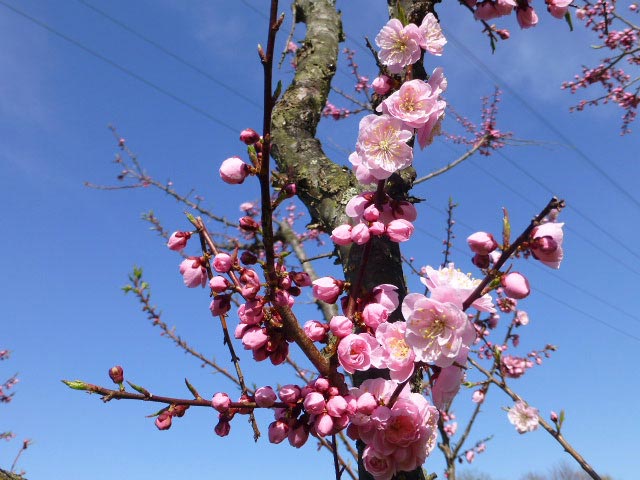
121,68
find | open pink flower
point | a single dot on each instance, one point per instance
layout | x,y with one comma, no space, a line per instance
193,272
412,104
432,39
354,351
523,417
382,145
448,284
399,46
393,352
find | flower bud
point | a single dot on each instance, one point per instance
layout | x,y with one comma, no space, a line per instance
481,261
482,243
515,285
399,230
290,189
289,393
220,305
178,240
219,284
221,402
222,263
316,331
381,84
301,279
314,403
341,326
163,421
223,428
278,431
233,170
265,397
248,258
341,235
248,224
116,374
249,136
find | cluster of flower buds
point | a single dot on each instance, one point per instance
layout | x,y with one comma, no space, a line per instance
234,170
391,218
525,13
164,418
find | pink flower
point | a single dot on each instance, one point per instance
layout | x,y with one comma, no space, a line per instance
478,396
514,367
523,417
222,263
436,331
327,289
381,84
393,352
278,431
163,421
522,318
219,284
482,243
233,170
546,243
301,279
220,305
387,295
314,403
315,330
405,210
324,425
374,314
221,402
448,382
193,272
254,338
432,39
558,8
382,145
289,393
379,466
178,240
354,351
298,436
399,46
341,235
399,230
337,406
413,103
265,397
341,326
360,234
249,136
515,285
447,284
469,455
527,17
251,312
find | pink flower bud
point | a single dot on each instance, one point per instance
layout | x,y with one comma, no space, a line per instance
527,17
289,393
248,258
336,406
321,384
178,240
553,416
265,397
522,318
366,403
314,403
163,421
315,330
399,230
290,189
360,234
249,136
341,235
341,326
218,284
374,314
193,272
469,455
323,425
254,338
371,213
376,228
478,396
116,374
233,170
248,224
222,263
221,402
482,243
381,84
515,285
503,34
301,279
481,261
405,210
298,436
223,428
327,289
220,305
282,298
278,431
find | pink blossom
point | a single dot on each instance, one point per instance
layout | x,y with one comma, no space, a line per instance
482,243
327,289
448,382
546,244
436,331
314,403
399,230
298,436
399,46
219,284
469,455
220,305
354,351
341,235
249,136
558,8
233,170
382,145
514,367
222,263
289,393
221,402
387,295
523,417
163,421
515,285
374,314
527,17
381,467
432,39
251,312
522,318
381,84
278,431
341,326
361,171
393,352
315,330
178,240
371,213
405,210
376,228
223,427
324,425
265,397
249,283
360,234
337,406
478,396
254,338
301,279
282,298
447,284
413,103
193,272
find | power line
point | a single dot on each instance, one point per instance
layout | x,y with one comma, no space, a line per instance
169,53
124,70
483,67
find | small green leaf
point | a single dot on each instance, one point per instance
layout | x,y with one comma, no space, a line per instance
402,15
139,389
76,384
506,229
567,18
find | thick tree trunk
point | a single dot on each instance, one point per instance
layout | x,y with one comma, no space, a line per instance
323,186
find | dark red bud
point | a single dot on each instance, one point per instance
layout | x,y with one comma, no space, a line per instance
290,189
116,374
249,136
248,258
481,261
249,224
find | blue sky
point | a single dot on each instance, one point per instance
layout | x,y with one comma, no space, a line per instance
67,249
